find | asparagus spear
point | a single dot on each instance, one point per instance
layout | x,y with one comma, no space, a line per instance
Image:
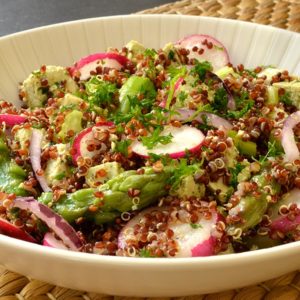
126,192
252,208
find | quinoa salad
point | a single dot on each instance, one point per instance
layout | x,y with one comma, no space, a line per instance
142,152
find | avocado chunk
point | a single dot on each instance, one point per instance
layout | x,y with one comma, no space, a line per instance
57,169
57,78
23,135
247,148
98,175
292,89
135,86
135,47
220,190
225,71
72,122
70,100
188,188
12,176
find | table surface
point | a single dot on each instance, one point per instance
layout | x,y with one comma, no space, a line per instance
17,15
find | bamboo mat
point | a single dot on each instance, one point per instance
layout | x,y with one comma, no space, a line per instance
279,13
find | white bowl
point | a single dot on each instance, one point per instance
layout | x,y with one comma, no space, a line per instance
62,44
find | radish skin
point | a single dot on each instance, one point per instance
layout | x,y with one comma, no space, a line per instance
217,55
80,142
89,63
11,230
192,240
11,120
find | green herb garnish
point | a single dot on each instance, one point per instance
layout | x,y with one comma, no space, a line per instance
195,225
122,147
234,172
201,68
100,93
155,138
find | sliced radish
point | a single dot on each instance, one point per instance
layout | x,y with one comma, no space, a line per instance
11,120
285,223
11,230
51,241
288,139
172,92
35,158
192,239
54,221
184,114
183,138
88,64
87,136
213,50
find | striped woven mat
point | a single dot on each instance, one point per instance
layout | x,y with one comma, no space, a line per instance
280,13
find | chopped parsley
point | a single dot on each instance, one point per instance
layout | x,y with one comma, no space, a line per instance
145,253
201,68
234,172
286,98
196,225
273,151
171,55
60,176
243,105
220,100
100,93
122,147
151,141
70,106
183,169
150,52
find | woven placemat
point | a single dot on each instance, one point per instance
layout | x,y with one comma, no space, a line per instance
280,13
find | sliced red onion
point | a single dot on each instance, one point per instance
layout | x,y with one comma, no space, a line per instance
35,158
12,230
54,221
51,241
12,120
212,119
288,139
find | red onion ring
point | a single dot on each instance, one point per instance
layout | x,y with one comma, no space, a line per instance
35,158
54,221
213,120
288,139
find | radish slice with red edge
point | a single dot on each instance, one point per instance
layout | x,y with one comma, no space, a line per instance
90,63
288,139
35,158
12,120
183,138
213,120
284,223
54,221
51,241
12,230
193,239
213,50
81,141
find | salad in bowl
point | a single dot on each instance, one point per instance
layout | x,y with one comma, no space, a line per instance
140,152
